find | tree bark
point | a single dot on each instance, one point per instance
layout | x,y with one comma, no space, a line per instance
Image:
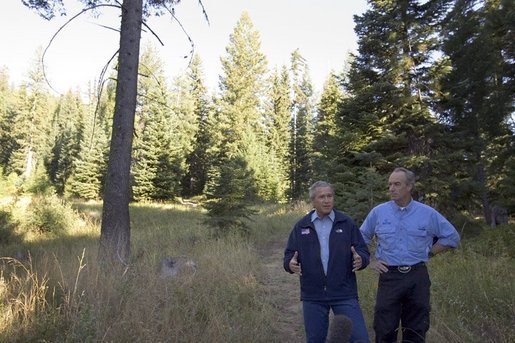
114,247
483,193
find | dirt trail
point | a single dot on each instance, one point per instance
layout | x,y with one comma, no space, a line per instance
284,290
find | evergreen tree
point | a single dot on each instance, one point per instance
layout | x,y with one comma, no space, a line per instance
388,120
325,148
229,205
186,107
68,131
477,98
7,117
144,165
242,83
278,134
31,126
217,125
194,180
90,167
239,121
301,128
153,131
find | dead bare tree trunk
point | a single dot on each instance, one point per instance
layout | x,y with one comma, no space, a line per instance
114,247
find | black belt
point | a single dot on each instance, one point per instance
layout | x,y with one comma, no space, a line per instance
405,269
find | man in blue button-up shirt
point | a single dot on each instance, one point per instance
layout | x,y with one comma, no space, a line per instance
408,233
325,248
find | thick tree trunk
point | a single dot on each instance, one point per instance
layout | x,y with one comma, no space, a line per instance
115,231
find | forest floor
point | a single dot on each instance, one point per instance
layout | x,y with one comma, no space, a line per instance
284,290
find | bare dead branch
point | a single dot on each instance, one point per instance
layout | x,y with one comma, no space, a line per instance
152,31
204,11
152,75
100,86
108,27
172,13
59,30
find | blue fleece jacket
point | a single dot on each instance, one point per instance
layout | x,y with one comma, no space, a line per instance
340,281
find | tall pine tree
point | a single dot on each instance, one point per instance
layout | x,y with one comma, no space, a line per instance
278,134
152,165
31,123
195,177
388,118
239,120
325,146
477,99
90,167
7,116
301,128
68,131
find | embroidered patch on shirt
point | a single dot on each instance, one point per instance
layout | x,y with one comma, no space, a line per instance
339,230
304,232
387,222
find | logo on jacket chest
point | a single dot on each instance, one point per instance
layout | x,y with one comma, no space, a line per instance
307,231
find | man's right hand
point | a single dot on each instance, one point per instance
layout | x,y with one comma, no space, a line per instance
294,264
377,265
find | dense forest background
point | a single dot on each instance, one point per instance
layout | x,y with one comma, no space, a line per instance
431,87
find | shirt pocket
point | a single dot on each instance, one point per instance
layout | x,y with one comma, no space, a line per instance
386,235
417,239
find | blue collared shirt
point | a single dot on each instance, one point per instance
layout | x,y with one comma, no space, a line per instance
323,229
405,235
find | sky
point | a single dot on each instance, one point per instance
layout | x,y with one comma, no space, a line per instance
322,30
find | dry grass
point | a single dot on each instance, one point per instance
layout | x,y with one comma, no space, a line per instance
59,294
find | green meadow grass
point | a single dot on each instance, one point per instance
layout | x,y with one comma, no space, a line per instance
51,289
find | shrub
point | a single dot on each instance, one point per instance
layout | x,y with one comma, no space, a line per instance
38,184
7,229
9,184
229,207
49,214
467,226
498,242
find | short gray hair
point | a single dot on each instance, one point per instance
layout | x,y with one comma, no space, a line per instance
316,185
410,176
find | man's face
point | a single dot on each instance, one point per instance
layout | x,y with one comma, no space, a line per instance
323,201
400,190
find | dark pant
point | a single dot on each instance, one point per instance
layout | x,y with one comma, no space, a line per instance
402,297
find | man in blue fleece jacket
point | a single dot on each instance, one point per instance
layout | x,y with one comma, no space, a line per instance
325,248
